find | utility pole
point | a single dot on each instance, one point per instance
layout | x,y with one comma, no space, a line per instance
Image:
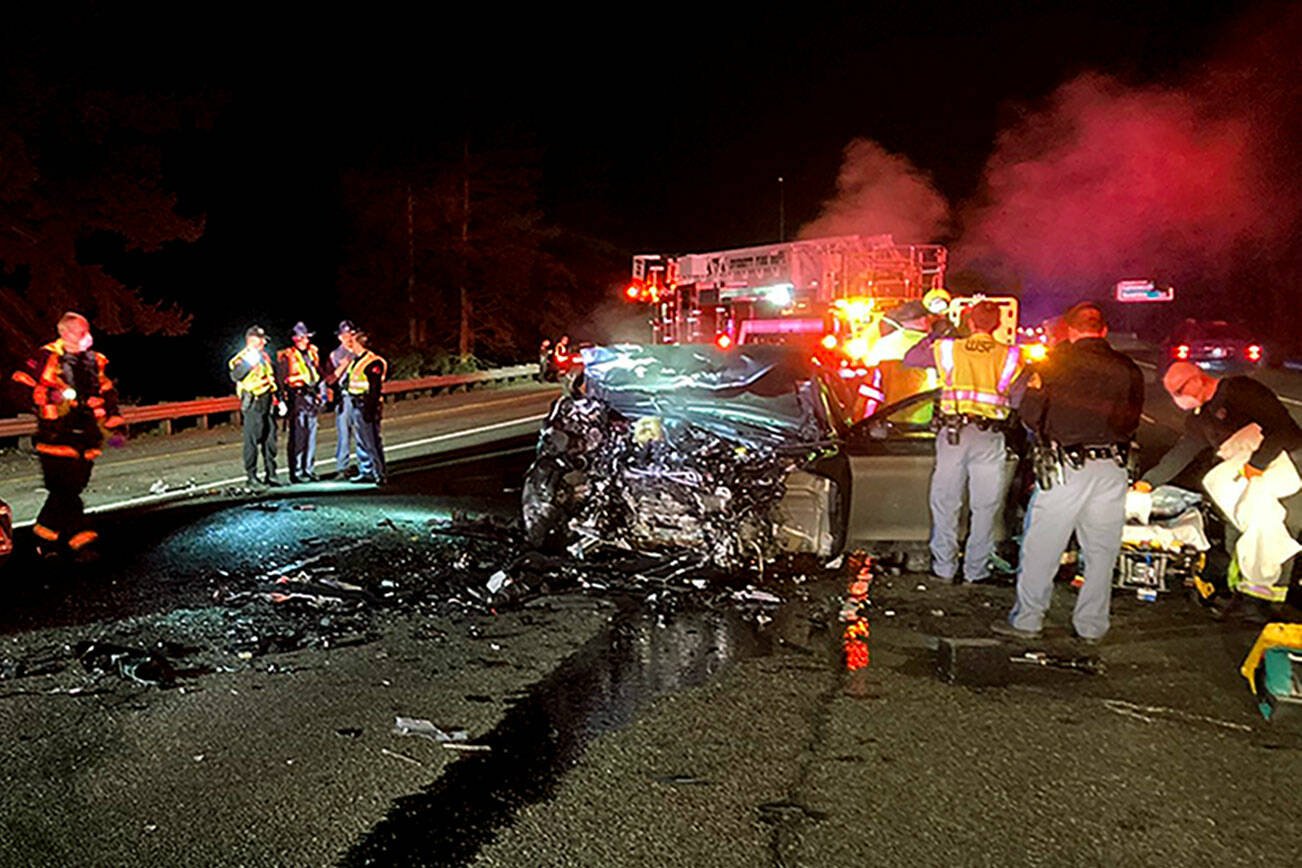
413,330
466,342
782,210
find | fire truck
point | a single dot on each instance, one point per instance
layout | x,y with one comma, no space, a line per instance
856,302
775,293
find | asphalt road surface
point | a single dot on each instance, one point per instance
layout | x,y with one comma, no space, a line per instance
681,730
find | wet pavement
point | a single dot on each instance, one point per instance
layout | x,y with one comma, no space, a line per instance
641,657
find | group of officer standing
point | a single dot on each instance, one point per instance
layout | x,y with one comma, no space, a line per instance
1078,410
298,386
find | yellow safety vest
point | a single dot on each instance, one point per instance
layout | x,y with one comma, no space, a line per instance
356,376
976,374
894,346
301,371
260,380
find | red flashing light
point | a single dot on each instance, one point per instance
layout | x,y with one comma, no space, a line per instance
723,342
1181,352
1253,353
631,292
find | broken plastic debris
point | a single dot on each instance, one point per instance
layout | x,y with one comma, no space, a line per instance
753,595
835,563
889,613
426,729
920,588
938,612
158,487
497,581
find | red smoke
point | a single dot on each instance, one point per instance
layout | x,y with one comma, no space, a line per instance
879,192
1109,181
1196,183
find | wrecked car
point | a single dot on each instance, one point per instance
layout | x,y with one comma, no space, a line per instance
731,457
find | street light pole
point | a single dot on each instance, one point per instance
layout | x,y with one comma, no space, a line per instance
782,210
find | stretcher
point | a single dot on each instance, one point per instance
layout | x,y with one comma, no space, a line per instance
1164,542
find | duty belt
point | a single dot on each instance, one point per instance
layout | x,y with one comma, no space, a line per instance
1050,459
952,423
1077,454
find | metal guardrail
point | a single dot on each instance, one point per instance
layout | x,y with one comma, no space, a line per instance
203,408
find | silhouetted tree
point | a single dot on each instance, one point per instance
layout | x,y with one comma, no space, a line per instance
74,164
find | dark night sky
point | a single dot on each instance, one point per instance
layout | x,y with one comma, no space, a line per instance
658,130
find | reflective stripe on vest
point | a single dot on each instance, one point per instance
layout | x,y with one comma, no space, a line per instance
53,396
258,381
300,371
356,376
1012,361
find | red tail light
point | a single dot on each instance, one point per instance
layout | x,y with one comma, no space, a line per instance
1253,353
1181,352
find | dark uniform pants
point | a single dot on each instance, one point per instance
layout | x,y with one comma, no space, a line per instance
370,449
63,517
302,432
343,432
259,435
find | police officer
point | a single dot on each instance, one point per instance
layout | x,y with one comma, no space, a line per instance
1217,410
73,398
1083,408
303,389
340,359
255,383
364,382
977,377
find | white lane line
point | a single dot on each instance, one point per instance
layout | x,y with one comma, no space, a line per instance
1149,365
1294,401
1147,418
182,492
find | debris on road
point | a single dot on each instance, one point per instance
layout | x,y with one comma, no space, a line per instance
148,667
426,729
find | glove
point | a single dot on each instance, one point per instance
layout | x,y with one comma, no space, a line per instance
282,409
1142,487
1250,472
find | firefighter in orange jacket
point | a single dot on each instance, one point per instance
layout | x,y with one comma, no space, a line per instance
75,402
303,387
